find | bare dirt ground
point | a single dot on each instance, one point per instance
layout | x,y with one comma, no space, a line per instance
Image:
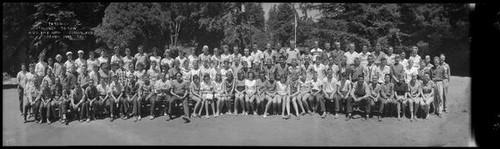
453,129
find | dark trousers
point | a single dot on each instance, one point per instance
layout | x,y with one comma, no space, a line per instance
63,106
93,108
364,102
380,102
111,104
34,108
21,96
185,104
54,104
80,110
319,102
163,100
44,109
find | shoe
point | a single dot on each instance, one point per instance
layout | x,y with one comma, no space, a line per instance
140,118
208,117
88,120
136,119
283,117
186,119
379,119
323,115
265,115
348,118
111,119
216,115
366,117
297,117
169,118
336,116
49,122
254,113
40,121
151,117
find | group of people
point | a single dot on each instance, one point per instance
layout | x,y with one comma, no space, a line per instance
273,81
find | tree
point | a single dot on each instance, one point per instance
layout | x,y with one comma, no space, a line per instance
281,23
129,24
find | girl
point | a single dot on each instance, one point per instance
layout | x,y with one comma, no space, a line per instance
219,90
304,89
270,92
186,71
239,95
195,70
261,91
427,94
45,99
127,59
207,93
283,90
195,94
229,92
217,56
251,93
64,102
401,93
414,96
294,92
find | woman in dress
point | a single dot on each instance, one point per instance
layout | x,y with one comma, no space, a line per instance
239,93
251,93
207,93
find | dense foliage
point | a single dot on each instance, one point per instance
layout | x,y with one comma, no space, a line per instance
435,28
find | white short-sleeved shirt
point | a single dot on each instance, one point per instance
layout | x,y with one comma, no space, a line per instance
319,70
316,85
404,62
316,52
248,59
416,61
181,60
350,57
251,86
330,86
390,59
116,58
79,65
191,59
364,58
102,60
335,72
40,69
91,63
381,72
409,73
68,64
126,61
344,88
226,57
292,54
166,61
257,56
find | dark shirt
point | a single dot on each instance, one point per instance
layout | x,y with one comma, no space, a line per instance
91,92
401,88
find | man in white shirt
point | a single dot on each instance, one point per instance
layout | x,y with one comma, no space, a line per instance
403,59
316,51
91,62
378,54
79,62
247,57
292,52
191,58
319,68
257,54
390,56
116,57
415,57
371,67
205,56
364,56
141,57
127,59
41,66
70,63
226,55
351,54
103,58
382,70
268,53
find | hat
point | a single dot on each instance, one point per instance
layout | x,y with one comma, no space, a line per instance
68,53
58,55
80,51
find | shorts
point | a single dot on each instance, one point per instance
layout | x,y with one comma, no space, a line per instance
208,96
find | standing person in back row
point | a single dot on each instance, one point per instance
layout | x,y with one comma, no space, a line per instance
316,51
397,70
141,57
292,52
79,62
415,57
351,54
446,81
438,77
